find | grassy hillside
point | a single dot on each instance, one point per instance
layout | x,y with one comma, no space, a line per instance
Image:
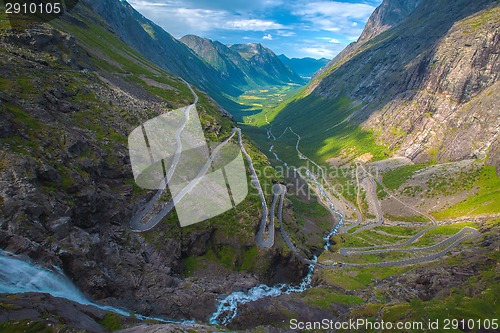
323,125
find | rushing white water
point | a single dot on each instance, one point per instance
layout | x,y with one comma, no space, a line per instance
276,155
228,307
337,227
18,276
333,232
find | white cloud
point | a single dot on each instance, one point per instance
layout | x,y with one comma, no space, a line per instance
179,20
318,52
236,5
330,40
333,16
252,25
305,20
334,9
319,47
285,33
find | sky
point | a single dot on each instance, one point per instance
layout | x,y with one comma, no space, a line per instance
296,28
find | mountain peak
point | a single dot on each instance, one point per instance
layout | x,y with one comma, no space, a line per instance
249,50
420,67
387,15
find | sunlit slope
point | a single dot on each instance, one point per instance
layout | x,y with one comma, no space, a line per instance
324,126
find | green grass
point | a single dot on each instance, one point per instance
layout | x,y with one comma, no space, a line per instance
458,305
227,256
484,201
24,326
190,264
20,146
393,179
23,118
451,183
356,241
324,298
376,237
308,209
477,21
111,322
327,140
249,258
476,298
491,222
352,278
116,56
414,218
269,98
401,231
440,233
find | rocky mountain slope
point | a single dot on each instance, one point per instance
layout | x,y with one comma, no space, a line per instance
163,49
386,16
71,92
264,60
422,80
305,67
227,62
240,70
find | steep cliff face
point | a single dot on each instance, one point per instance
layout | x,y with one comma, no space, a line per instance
427,86
386,16
454,93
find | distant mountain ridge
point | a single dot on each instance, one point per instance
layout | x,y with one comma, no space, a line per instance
263,59
305,67
243,64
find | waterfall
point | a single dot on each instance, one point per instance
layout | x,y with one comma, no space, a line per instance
228,307
19,276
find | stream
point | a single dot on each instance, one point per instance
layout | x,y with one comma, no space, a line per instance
337,227
227,308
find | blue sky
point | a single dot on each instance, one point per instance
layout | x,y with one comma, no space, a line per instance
297,28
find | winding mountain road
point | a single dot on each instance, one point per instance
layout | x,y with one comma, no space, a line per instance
453,241
137,222
147,217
